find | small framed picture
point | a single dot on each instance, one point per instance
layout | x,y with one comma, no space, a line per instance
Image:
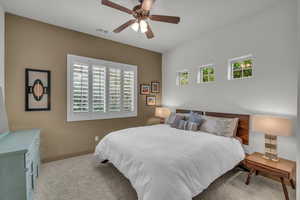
151,100
155,87
37,90
145,89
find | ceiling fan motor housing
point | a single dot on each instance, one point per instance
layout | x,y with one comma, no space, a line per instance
139,13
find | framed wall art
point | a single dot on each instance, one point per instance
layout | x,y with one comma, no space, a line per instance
145,89
155,87
151,100
37,90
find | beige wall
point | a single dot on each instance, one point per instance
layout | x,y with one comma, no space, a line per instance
32,44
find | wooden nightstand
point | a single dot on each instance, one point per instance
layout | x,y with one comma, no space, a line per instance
284,169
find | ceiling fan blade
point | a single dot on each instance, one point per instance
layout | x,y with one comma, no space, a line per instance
123,26
149,33
116,6
147,4
163,18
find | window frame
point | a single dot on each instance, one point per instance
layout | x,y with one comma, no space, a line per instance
80,116
240,59
178,77
200,74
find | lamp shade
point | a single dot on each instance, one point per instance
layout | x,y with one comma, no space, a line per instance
272,125
162,112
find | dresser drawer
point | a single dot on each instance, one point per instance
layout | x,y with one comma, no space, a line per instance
29,183
20,150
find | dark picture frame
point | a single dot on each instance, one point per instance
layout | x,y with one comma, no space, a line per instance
151,100
145,89
37,90
155,87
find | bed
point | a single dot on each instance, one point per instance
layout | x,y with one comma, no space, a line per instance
164,163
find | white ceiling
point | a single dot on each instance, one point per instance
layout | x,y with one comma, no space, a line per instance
197,16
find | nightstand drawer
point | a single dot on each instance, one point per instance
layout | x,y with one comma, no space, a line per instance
266,169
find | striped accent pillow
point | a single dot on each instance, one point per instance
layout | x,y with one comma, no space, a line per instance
176,121
182,125
192,126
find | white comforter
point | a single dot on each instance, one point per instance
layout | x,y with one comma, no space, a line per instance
164,163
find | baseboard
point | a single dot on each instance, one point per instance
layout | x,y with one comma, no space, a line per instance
70,155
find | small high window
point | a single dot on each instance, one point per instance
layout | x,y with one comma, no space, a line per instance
182,78
206,74
241,68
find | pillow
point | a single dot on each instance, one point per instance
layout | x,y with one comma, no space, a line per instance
194,121
182,125
192,126
194,117
174,120
171,118
220,126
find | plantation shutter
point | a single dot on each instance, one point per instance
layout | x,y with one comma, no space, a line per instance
128,91
114,101
80,88
99,89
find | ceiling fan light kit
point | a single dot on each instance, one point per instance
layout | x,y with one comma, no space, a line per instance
142,26
141,13
135,26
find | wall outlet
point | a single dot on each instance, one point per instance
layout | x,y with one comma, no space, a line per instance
96,138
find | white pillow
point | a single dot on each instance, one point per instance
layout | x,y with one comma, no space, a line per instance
220,126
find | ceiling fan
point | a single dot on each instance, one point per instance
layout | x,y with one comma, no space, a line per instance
141,13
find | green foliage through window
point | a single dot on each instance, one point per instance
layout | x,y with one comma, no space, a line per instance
206,74
183,78
242,68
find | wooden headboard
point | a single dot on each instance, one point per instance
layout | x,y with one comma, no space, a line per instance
243,127
188,111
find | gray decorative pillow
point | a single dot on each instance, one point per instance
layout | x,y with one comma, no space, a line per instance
176,121
172,116
220,126
192,126
182,125
195,117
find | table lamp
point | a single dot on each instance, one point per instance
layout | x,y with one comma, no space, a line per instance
272,127
162,113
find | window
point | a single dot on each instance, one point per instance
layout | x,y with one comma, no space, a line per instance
241,68
206,74
99,89
182,78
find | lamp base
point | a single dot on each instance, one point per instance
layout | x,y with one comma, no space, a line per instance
271,148
162,120
272,159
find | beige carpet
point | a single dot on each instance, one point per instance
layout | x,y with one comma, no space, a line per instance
78,179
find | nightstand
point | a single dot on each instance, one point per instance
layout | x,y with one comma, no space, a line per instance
153,121
283,169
